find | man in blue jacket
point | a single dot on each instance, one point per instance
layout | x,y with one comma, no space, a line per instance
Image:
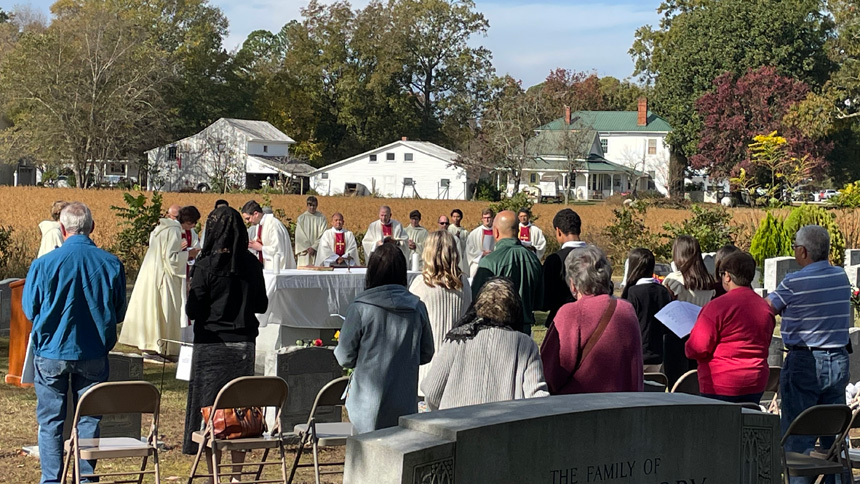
75,296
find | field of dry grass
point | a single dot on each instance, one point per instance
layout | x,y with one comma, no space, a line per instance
25,207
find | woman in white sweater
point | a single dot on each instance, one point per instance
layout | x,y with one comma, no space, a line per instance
483,359
442,287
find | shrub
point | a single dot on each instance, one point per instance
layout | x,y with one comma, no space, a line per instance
629,231
848,197
515,203
815,215
139,220
711,226
487,190
769,240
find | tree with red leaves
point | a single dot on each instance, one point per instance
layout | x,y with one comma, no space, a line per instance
738,109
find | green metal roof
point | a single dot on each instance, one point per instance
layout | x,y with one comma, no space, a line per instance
560,142
609,121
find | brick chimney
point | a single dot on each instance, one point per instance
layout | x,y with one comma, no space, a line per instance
642,118
567,115
404,138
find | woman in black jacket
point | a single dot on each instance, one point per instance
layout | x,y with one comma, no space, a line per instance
647,296
227,290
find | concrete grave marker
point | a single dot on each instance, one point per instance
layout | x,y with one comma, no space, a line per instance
775,270
572,439
852,257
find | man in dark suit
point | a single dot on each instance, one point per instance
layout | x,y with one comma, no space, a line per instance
567,226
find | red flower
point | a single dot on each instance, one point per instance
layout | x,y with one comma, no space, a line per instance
318,342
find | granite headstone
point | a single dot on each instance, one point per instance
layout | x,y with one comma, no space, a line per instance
775,270
619,438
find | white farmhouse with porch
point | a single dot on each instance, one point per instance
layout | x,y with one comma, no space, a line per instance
635,139
402,169
551,163
242,153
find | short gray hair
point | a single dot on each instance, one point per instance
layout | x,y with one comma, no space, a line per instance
589,270
816,240
77,219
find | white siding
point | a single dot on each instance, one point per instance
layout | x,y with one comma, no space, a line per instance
272,148
631,149
386,176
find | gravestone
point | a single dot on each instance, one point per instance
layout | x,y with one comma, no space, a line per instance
775,354
853,273
306,371
619,438
761,291
123,367
852,257
775,270
5,304
854,357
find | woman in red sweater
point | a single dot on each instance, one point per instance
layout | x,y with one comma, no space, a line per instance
731,337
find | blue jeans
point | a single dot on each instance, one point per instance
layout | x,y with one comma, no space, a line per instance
811,378
52,380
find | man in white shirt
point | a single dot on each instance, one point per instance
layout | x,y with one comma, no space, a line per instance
530,236
309,228
460,234
268,237
337,245
480,241
568,227
417,235
382,230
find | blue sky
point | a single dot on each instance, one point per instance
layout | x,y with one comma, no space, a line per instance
528,39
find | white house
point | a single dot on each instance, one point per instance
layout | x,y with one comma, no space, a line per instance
555,155
403,169
635,139
240,153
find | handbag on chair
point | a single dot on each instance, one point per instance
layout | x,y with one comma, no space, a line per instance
236,423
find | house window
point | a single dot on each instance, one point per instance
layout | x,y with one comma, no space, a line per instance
171,153
407,157
373,158
445,183
325,176
389,156
652,146
533,178
604,145
265,148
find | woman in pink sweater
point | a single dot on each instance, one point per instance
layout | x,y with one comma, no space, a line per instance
593,344
732,335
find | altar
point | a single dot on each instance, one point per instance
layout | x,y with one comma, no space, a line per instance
306,305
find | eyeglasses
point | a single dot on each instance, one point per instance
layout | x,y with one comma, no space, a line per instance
795,246
444,223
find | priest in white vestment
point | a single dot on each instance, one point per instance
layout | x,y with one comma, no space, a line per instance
309,229
268,237
384,229
530,235
155,309
417,235
460,234
52,236
480,241
337,245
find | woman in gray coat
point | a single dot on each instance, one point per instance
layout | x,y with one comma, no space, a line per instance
385,337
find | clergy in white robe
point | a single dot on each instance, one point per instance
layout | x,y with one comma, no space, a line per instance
268,237
460,235
416,236
309,229
155,308
529,235
384,229
480,241
52,236
337,245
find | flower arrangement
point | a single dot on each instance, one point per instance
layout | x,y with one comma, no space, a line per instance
307,343
855,296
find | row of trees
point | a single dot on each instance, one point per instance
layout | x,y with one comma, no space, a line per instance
108,79
723,71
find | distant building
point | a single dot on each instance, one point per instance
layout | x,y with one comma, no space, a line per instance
242,153
635,139
403,169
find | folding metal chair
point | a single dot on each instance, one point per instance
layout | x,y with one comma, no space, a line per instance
656,382
323,434
246,391
688,383
819,421
113,398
